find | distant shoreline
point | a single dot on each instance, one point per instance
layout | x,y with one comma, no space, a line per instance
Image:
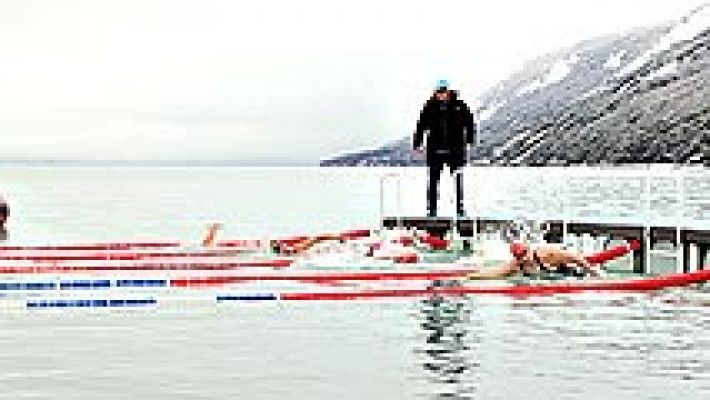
148,163
232,164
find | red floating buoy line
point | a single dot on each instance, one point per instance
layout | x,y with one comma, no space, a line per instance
159,255
154,250
121,256
151,266
229,256
628,286
161,244
131,245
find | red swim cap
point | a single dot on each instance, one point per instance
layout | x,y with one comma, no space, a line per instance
518,249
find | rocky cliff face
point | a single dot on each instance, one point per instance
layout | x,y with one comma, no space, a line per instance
636,97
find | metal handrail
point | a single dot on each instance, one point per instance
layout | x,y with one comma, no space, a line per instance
384,179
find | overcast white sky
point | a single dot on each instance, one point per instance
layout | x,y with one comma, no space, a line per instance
268,82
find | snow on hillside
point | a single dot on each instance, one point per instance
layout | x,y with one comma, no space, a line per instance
557,73
690,27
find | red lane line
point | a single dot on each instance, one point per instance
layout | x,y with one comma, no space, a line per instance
246,243
322,278
281,263
612,253
122,256
355,234
637,285
95,246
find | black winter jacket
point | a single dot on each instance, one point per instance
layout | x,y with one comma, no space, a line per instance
450,125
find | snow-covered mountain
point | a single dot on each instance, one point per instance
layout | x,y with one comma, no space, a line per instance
635,97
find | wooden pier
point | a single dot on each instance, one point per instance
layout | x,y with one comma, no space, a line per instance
690,240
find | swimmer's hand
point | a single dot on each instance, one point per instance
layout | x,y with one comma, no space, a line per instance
211,234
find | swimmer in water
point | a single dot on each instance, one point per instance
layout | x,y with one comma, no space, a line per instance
301,245
538,261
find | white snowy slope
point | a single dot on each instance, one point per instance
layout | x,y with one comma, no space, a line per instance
688,28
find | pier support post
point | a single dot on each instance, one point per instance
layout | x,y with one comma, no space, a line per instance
702,256
686,256
639,256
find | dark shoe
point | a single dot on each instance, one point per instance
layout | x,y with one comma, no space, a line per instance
431,214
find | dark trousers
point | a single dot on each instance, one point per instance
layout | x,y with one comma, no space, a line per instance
435,169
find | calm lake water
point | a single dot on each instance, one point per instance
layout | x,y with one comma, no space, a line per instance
575,347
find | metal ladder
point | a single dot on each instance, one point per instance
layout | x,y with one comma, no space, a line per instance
677,251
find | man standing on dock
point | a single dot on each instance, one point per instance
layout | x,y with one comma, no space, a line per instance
451,130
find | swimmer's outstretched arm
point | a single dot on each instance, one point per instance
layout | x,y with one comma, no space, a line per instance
498,272
211,234
306,244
